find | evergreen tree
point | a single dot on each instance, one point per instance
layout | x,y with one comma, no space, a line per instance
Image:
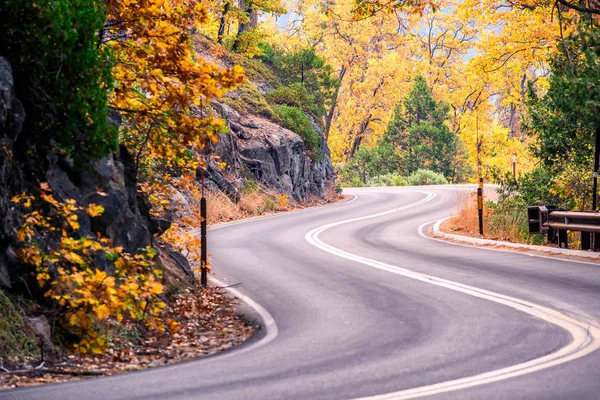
418,132
565,120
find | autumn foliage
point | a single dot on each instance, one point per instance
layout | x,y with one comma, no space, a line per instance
67,271
162,88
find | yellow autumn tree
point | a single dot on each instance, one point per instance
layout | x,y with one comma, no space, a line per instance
478,56
162,87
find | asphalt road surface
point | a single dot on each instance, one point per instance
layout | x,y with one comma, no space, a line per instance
357,302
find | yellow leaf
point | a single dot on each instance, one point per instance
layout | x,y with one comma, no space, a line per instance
73,320
74,258
102,311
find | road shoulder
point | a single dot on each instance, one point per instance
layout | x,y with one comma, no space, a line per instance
439,232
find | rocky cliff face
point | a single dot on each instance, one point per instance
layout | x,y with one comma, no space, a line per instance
12,116
257,148
275,157
110,182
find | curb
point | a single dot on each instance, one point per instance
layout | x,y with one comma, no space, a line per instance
496,243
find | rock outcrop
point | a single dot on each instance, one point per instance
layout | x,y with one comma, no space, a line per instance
12,116
110,182
273,156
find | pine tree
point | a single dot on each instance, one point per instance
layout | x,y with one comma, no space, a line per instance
417,130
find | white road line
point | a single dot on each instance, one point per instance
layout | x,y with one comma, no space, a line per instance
585,336
268,321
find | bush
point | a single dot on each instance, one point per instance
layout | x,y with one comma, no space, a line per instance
250,187
392,179
426,177
86,299
295,120
62,76
304,68
255,69
370,162
294,95
15,340
356,182
399,180
508,221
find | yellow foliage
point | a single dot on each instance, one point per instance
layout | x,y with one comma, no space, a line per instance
282,201
476,55
66,271
162,87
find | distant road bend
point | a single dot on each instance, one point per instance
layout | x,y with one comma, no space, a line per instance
358,302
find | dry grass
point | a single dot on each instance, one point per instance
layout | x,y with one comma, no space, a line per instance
467,219
221,209
500,222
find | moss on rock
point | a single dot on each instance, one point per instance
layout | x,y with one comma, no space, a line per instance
246,99
16,341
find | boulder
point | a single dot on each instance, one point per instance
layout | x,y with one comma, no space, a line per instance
41,328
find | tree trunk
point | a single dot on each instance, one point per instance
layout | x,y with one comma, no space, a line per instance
222,22
359,136
334,100
252,16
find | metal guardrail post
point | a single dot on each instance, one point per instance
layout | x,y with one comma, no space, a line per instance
552,236
563,239
586,240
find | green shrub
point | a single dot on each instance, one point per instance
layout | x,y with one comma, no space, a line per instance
15,341
254,69
391,179
508,221
426,177
399,180
356,182
369,162
303,67
61,72
294,95
250,187
295,120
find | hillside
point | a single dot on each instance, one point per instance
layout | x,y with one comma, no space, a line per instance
257,146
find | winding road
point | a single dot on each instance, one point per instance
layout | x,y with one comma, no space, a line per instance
357,301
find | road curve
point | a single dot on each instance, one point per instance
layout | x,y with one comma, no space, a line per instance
358,303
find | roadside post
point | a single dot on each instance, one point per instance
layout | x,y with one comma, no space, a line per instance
480,205
514,160
203,242
588,239
480,188
204,252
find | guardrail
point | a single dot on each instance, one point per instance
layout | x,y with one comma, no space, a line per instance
557,223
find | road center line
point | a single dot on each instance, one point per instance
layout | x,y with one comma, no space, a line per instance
585,336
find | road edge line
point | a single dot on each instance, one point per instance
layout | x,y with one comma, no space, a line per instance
494,245
268,322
